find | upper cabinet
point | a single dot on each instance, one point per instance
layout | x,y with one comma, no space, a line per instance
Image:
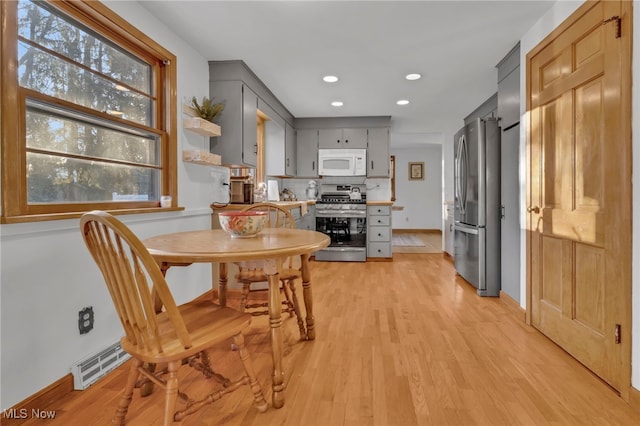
278,140
307,152
238,144
243,94
290,151
509,89
378,152
342,138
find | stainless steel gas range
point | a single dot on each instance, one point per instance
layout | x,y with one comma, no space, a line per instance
341,213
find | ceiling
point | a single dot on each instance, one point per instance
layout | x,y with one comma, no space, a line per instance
370,46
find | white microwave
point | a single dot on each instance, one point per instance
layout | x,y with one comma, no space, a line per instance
342,162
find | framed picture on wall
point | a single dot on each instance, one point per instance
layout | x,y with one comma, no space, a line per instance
416,171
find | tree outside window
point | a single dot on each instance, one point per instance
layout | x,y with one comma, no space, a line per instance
91,117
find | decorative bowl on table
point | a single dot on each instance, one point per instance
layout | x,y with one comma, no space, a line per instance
242,224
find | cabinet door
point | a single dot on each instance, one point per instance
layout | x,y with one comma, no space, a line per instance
249,126
307,152
230,120
290,150
354,138
330,138
378,153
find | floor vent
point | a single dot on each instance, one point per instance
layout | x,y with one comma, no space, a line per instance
89,370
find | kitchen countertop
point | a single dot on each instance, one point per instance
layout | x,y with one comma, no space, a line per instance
379,203
285,204
291,204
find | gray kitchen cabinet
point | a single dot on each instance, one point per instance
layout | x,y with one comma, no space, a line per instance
379,231
307,152
448,229
238,143
279,142
378,152
307,221
290,150
509,114
342,138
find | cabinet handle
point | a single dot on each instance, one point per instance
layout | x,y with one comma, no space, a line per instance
372,164
287,162
379,221
338,141
379,234
313,165
379,251
346,141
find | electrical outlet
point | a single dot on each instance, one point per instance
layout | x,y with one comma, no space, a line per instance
85,320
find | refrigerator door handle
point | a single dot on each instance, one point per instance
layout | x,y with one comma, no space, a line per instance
464,172
466,229
461,175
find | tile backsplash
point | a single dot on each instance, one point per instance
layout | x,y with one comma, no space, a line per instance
378,189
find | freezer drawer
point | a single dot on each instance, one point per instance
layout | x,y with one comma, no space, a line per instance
469,253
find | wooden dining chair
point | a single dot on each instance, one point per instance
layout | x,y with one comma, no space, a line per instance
278,217
175,336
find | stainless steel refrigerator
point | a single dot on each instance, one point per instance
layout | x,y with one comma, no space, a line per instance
477,205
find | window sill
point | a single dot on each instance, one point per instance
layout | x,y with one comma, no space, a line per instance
75,215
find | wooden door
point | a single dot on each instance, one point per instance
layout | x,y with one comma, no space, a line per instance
579,220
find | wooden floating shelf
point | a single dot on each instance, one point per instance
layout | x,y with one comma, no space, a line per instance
201,126
203,158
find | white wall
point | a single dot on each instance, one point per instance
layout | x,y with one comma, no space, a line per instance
47,275
421,199
554,17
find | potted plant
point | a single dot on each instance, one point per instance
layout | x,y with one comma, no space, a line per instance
206,108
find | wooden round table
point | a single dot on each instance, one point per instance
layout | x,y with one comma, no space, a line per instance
269,247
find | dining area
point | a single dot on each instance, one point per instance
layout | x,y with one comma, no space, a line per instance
162,336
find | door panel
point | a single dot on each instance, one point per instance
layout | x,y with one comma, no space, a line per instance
579,194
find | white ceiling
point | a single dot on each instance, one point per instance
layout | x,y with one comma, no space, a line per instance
370,46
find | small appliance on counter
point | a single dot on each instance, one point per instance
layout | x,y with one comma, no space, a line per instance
312,190
241,190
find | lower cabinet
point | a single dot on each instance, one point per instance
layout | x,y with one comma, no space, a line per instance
307,221
379,231
448,230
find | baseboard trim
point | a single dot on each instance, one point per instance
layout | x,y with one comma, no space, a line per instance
447,256
41,400
417,231
634,398
513,305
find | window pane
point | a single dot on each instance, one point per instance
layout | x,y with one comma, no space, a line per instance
49,28
52,76
71,136
57,179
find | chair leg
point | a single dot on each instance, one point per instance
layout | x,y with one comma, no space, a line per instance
258,396
127,395
244,296
287,302
291,284
171,392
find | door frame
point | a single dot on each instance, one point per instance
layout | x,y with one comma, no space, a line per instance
626,27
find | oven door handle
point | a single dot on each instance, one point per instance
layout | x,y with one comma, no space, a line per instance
344,249
341,213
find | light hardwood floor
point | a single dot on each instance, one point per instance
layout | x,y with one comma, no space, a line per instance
398,343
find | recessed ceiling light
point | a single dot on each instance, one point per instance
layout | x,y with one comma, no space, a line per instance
402,102
336,103
330,78
413,76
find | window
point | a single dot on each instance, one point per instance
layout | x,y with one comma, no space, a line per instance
88,113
